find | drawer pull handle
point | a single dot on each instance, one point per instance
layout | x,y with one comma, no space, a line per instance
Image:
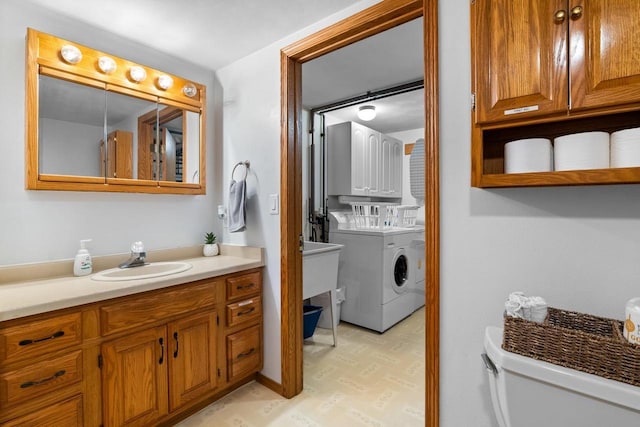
27,342
242,313
162,351
44,380
175,337
246,353
241,287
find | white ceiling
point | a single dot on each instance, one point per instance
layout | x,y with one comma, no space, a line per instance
211,33
385,60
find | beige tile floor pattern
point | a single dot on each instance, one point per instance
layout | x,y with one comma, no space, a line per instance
370,379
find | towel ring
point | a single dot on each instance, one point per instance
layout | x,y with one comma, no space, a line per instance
246,165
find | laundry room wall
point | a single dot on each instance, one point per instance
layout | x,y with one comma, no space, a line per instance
409,137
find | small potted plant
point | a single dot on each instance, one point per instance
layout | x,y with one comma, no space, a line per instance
210,246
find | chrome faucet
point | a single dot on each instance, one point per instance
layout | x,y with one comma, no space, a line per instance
137,258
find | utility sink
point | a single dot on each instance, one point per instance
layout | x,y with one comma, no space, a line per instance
156,269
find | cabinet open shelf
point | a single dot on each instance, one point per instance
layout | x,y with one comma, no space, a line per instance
489,142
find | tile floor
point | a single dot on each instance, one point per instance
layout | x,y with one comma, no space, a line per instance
370,379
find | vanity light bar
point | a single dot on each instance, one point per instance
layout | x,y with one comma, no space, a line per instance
137,74
107,65
165,82
58,54
71,54
190,90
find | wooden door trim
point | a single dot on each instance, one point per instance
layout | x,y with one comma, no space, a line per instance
380,17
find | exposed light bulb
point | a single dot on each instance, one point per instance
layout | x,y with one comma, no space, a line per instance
189,90
71,54
137,74
165,82
107,65
367,112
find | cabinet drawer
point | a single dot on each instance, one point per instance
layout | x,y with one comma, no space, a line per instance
245,285
40,378
244,311
40,337
141,310
67,413
244,352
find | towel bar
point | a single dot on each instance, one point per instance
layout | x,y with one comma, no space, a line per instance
246,165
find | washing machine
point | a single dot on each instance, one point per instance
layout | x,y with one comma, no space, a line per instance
377,272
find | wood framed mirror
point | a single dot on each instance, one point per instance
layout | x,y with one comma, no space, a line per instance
96,122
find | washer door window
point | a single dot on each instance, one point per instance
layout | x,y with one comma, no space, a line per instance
400,272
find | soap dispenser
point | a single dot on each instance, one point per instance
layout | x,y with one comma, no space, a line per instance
82,265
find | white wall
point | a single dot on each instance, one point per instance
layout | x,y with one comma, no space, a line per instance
409,137
47,225
68,148
579,247
250,107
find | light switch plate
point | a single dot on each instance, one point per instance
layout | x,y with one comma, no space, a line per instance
274,204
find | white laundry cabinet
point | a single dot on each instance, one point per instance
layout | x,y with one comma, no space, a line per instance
363,162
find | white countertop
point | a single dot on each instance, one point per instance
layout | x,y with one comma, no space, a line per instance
39,296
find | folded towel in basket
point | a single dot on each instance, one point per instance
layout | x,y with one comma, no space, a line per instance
237,213
529,308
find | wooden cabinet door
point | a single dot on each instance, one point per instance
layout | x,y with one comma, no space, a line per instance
134,378
192,369
519,53
604,52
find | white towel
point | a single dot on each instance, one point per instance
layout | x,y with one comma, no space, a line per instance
237,213
529,308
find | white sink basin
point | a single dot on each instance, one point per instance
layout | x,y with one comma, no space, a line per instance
156,269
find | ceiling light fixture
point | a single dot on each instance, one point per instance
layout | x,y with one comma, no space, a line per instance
107,65
367,112
71,54
137,74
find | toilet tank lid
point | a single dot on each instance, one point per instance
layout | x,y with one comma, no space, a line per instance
582,382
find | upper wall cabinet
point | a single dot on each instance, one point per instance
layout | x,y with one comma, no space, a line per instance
96,122
363,162
549,68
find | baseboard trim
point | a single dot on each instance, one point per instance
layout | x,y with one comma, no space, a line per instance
270,384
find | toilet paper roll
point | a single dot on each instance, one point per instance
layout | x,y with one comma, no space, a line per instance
528,155
625,148
586,150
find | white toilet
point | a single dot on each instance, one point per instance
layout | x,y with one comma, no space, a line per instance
530,393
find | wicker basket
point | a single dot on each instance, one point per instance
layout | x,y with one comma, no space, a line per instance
574,340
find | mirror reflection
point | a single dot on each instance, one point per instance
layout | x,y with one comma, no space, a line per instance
71,128
176,155
123,112
89,129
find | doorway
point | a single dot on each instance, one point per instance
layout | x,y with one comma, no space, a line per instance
380,17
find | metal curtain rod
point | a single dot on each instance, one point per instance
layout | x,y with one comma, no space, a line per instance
370,96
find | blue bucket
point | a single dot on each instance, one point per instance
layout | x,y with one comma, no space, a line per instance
311,317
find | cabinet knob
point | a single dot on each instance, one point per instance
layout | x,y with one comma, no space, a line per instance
559,16
576,13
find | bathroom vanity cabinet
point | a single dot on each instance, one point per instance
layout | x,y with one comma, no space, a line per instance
549,68
144,359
